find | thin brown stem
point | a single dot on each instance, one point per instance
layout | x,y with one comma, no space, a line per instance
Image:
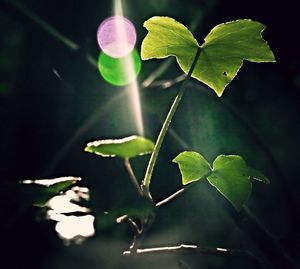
133,177
137,231
197,250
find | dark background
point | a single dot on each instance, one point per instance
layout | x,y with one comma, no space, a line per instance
47,120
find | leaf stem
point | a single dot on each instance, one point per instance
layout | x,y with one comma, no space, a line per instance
132,176
179,192
163,131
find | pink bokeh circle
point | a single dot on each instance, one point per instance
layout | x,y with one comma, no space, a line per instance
116,36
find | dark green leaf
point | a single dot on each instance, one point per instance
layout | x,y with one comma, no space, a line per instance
39,191
136,208
231,178
126,148
192,165
257,175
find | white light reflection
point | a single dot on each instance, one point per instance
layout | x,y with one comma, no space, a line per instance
50,182
133,88
71,227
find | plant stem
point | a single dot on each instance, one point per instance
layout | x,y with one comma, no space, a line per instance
179,192
163,131
196,249
170,198
133,177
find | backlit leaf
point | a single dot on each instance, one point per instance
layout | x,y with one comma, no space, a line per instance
126,148
192,165
222,52
167,37
231,178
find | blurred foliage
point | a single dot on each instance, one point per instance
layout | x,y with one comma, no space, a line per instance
53,102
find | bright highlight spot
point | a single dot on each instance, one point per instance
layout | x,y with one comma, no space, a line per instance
64,203
71,227
122,71
50,182
116,36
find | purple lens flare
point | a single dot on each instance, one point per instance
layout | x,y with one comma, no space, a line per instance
116,36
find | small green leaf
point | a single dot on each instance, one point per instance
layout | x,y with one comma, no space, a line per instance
257,175
126,148
168,37
224,50
192,165
231,178
222,54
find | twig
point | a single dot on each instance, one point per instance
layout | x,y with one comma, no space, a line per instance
133,177
175,194
171,197
197,250
137,231
167,83
157,72
179,192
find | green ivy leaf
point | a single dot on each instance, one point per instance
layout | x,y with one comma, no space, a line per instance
168,37
192,165
231,178
125,148
225,48
223,52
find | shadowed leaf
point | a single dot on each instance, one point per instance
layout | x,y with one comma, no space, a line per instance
257,175
39,191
